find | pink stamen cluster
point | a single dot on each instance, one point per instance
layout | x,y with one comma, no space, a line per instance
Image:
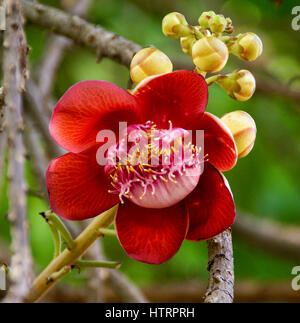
146,155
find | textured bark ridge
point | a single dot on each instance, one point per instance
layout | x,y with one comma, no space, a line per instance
14,75
220,267
1,98
106,43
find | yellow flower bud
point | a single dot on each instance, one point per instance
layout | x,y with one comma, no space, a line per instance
217,24
229,27
243,129
205,18
240,85
209,54
187,44
248,46
174,25
149,61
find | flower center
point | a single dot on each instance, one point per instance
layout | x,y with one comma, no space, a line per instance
154,168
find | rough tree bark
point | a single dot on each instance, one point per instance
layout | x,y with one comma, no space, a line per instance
1,100
106,43
221,269
3,138
14,75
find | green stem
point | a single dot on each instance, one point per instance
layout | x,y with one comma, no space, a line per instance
59,225
96,264
56,239
201,72
55,233
197,33
59,274
107,232
212,79
69,257
225,39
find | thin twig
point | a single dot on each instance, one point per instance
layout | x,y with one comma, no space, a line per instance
55,48
3,139
1,100
123,287
186,292
97,38
54,53
277,88
37,157
4,252
95,285
280,240
34,108
14,74
220,267
111,279
3,145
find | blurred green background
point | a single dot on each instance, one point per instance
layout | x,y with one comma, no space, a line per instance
266,184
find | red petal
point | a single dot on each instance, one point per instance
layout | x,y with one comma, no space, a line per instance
179,96
210,206
151,235
85,109
77,187
219,143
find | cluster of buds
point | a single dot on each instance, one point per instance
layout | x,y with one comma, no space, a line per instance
215,23
209,44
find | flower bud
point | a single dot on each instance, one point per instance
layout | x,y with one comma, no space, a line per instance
187,44
248,46
243,129
240,85
209,54
229,27
174,25
149,61
217,24
205,18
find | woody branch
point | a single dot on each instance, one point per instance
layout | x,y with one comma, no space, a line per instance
14,75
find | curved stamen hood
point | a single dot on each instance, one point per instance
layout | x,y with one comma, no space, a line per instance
154,168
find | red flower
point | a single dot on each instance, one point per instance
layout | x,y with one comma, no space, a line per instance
162,205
